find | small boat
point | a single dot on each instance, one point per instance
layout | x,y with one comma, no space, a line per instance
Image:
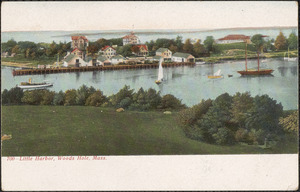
288,58
160,73
30,85
200,63
217,75
257,71
230,75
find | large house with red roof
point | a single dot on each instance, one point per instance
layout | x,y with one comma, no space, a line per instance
233,39
108,51
80,42
131,39
140,50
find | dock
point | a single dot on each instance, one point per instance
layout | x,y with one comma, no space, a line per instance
37,71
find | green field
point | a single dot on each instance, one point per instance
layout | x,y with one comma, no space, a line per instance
80,130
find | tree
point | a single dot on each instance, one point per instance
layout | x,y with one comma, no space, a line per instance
125,50
198,48
96,99
47,97
153,98
58,98
208,43
13,96
122,94
83,93
92,49
169,102
280,42
178,43
173,48
292,41
33,97
15,49
290,123
264,116
188,47
258,42
70,97
241,105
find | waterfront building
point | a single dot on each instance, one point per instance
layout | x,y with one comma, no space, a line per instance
73,60
80,42
78,52
183,57
117,59
102,60
131,39
141,50
165,53
108,52
233,39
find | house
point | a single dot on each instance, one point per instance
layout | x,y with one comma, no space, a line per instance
233,39
92,61
108,52
117,59
74,60
183,57
78,52
80,42
164,53
103,60
140,50
131,39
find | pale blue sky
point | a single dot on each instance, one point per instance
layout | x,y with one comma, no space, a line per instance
30,16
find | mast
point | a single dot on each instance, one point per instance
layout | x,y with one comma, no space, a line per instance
258,60
246,56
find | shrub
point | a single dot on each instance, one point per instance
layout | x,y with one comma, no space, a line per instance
223,136
169,102
33,97
70,97
125,103
13,96
58,98
47,97
96,99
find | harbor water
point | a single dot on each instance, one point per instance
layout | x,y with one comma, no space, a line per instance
190,84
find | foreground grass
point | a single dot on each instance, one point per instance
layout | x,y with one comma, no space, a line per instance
79,130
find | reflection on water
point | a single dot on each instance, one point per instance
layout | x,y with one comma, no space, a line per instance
187,83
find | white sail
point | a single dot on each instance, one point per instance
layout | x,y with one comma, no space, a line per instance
160,71
218,73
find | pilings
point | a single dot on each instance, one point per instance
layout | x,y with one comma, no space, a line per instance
37,71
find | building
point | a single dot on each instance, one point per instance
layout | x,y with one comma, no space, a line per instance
73,60
131,39
183,57
80,42
164,53
233,39
108,52
140,50
103,60
117,59
78,52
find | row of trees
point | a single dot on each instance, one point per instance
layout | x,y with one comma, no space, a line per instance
126,98
283,43
230,119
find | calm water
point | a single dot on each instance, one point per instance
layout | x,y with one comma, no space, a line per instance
57,36
187,83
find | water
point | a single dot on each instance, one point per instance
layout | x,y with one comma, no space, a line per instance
144,35
187,83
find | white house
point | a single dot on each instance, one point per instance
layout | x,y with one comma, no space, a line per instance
164,52
108,52
131,39
117,59
183,57
233,39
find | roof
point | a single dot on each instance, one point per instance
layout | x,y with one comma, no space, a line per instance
162,50
118,57
70,57
88,58
106,47
75,50
79,37
144,46
184,55
130,36
101,58
235,37
157,57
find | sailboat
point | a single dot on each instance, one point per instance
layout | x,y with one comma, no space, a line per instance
288,58
216,75
160,73
254,71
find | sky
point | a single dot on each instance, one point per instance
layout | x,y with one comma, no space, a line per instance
68,16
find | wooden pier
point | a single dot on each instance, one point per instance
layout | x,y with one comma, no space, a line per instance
37,71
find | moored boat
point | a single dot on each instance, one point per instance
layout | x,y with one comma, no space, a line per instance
216,75
30,85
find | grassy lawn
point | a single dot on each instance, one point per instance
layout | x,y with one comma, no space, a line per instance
28,61
79,130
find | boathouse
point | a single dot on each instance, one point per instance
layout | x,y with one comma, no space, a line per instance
73,61
183,57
